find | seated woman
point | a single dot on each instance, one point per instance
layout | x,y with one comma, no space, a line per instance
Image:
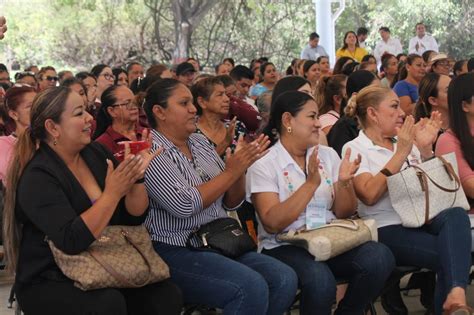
333,97
17,106
298,178
121,76
346,127
324,65
389,68
295,83
350,48
117,120
459,137
312,73
387,145
65,188
406,87
89,82
212,106
189,185
269,77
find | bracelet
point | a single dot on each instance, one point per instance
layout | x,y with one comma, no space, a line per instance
386,172
140,180
344,184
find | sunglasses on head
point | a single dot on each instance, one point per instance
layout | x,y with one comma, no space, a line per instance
51,78
21,75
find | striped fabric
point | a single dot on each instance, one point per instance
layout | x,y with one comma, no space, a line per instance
171,179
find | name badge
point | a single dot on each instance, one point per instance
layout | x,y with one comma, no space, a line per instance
316,213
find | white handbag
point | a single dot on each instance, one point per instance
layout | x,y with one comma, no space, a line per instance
421,192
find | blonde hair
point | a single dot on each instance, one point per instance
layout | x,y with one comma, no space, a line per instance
370,96
48,104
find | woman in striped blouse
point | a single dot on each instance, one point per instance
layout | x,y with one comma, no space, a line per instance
188,186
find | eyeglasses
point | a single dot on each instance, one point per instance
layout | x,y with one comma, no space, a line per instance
128,105
108,76
51,78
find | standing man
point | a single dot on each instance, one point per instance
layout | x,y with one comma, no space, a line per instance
135,70
387,45
422,41
313,50
362,34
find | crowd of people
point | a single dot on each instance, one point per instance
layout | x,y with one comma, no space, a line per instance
314,138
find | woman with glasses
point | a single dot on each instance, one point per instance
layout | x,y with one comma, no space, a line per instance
105,78
189,186
117,120
389,142
47,78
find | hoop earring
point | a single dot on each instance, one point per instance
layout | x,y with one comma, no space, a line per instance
289,129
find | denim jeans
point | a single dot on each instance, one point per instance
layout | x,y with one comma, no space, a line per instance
365,267
251,284
443,246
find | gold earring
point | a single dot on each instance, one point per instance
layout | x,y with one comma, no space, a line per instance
289,129
55,142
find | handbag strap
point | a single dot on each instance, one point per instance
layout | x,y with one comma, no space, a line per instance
114,273
449,170
354,226
424,177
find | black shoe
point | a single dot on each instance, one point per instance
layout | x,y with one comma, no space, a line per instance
392,301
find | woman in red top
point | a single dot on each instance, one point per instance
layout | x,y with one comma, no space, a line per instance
117,119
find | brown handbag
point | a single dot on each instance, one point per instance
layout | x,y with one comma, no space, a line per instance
123,257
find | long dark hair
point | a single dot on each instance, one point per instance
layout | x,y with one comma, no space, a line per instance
158,94
461,90
103,118
428,88
291,102
344,44
340,64
49,104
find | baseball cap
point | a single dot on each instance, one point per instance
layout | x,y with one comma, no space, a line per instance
184,68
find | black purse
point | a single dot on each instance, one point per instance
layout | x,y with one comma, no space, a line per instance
225,236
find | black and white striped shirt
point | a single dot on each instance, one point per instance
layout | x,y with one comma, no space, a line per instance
176,206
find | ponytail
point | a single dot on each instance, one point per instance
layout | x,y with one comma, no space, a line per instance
25,148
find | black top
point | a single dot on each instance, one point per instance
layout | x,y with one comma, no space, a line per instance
343,131
49,202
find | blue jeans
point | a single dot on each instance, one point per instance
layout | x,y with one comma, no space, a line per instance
251,284
443,246
365,267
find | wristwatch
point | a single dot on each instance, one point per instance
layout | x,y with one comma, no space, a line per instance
386,172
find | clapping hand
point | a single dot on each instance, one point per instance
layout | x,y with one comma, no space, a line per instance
3,26
246,154
347,169
426,131
145,156
314,176
406,136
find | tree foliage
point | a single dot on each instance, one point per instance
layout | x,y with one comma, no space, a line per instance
80,33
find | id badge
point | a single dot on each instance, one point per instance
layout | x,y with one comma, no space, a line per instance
316,213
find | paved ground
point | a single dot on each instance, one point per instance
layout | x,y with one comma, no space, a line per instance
412,300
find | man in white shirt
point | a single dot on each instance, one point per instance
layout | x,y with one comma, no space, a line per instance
387,45
313,50
362,34
422,41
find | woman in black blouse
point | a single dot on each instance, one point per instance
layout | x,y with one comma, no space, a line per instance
63,187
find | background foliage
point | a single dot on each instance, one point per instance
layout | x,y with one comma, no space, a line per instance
77,34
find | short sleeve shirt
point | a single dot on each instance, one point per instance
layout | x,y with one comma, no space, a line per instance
403,88
276,170
374,159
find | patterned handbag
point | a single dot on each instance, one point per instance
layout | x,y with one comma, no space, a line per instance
123,257
332,239
421,192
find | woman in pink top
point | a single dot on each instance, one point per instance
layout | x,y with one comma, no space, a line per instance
331,97
460,136
16,106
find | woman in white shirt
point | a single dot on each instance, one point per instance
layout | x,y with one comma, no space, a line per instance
389,144
298,180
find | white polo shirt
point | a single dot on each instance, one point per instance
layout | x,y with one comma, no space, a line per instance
271,174
392,46
374,158
425,43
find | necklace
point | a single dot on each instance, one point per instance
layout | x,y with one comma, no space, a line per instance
327,181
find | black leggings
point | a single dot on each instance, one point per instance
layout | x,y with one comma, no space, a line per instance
62,297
